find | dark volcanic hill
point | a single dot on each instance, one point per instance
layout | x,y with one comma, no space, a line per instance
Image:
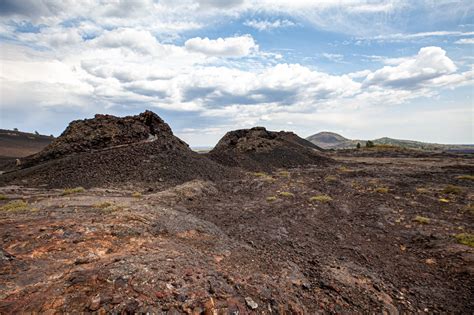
260,149
109,150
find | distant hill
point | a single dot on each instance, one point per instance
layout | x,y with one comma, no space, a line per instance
15,144
331,140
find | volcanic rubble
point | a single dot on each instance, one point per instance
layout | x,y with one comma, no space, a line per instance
259,149
109,150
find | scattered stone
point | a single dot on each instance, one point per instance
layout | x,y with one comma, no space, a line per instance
251,303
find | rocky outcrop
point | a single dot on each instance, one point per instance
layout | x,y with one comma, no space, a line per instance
260,149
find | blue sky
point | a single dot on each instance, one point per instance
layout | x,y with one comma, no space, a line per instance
365,69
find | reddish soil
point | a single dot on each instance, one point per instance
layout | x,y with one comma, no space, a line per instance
205,247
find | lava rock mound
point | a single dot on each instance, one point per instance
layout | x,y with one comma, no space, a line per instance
113,151
260,149
106,131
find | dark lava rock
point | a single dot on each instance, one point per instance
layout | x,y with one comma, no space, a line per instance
105,131
260,149
109,151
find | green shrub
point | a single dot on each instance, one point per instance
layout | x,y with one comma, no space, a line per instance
70,191
15,205
369,144
321,198
3,197
422,220
465,239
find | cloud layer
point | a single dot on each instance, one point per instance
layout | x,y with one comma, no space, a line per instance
172,56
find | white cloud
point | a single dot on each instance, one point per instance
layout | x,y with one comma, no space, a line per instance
333,57
239,46
430,63
266,25
465,41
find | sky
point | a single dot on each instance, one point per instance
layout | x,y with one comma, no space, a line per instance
365,69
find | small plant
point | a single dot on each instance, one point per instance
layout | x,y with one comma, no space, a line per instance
451,189
137,194
3,197
344,169
286,194
15,205
284,174
271,198
263,176
321,198
421,190
465,239
330,179
70,191
369,144
358,145
102,205
107,206
466,177
422,220
381,190
443,200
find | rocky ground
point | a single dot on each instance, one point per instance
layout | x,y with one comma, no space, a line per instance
362,234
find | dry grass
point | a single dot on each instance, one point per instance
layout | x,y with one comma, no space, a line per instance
3,197
465,239
137,194
15,205
286,194
271,198
443,200
263,176
381,190
321,198
284,174
330,179
421,190
70,191
422,220
344,169
451,189
107,206
465,177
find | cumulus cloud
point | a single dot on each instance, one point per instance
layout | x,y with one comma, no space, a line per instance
429,64
224,47
266,25
128,38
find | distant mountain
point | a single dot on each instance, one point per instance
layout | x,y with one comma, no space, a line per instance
331,140
15,144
